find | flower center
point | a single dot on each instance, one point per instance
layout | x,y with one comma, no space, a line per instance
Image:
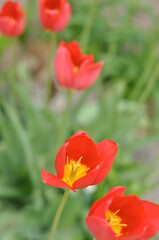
114,222
73,171
54,10
76,69
11,20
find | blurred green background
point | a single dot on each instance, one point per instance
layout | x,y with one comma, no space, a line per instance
122,106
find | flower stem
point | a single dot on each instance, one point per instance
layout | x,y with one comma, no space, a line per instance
88,26
53,43
58,215
14,58
65,120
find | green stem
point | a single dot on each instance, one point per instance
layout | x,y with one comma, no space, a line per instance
88,26
65,120
58,215
48,84
14,59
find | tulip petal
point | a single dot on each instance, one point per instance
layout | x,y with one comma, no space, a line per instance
86,180
79,133
53,181
99,207
87,60
48,17
83,146
75,52
107,151
100,228
60,161
87,76
152,213
131,213
63,19
64,68
12,19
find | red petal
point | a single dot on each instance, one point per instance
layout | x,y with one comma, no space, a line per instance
99,207
100,228
86,180
152,213
7,27
53,181
79,133
87,61
75,52
60,161
87,76
12,9
64,18
53,4
107,151
64,68
131,213
82,146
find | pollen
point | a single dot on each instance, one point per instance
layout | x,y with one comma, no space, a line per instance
114,222
73,171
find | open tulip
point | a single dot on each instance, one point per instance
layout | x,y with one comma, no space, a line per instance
12,19
116,216
81,163
73,69
54,14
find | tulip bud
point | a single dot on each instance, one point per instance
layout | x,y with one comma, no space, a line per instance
54,14
12,19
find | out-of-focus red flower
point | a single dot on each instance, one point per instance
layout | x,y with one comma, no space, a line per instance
12,19
54,14
81,163
73,69
116,216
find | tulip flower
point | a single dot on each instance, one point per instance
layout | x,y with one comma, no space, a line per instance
81,163
54,14
12,19
73,69
116,216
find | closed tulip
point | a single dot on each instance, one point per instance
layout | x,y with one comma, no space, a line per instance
54,14
119,217
12,19
73,69
81,163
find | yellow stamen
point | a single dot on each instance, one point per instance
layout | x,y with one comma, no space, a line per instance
74,170
115,222
76,69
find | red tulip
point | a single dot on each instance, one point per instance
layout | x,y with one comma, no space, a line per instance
80,162
12,19
54,14
116,216
73,69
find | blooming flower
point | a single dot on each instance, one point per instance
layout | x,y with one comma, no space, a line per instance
80,162
73,69
12,19
54,14
116,216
